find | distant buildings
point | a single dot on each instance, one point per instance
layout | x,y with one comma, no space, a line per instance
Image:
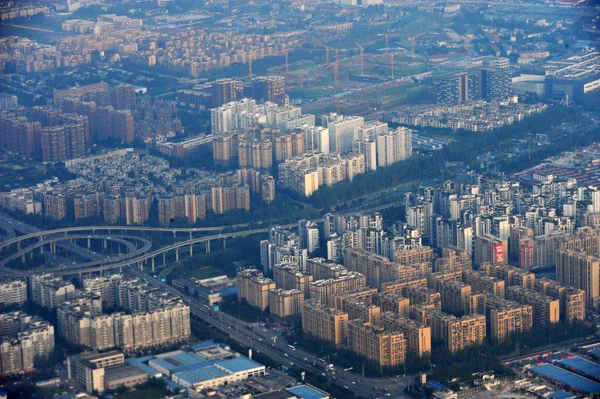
26,340
254,288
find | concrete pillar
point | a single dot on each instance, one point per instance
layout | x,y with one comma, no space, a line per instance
164,259
18,245
23,258
141,265
208,246
191,249
89,243
174,234
153,264
42,249
190,235
224,243
104,244
176,254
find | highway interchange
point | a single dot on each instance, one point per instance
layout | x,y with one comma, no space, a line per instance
138,251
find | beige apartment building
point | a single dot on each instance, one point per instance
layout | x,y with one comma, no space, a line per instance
254,288
507,317
288,277
324,323
285,303
482,283
418,336
362,310
455,296
393,303
546,310
377,344
325,291
365,294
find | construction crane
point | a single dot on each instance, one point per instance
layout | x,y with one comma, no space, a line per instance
250,64
412,41
362,64
285,54
387,39
336,72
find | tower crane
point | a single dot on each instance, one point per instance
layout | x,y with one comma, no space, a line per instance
362,65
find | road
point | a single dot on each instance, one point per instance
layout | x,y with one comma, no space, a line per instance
260,341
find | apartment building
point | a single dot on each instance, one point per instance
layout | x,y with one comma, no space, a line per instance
362,310
385,347
575,268
377,269
418,336
389,302
324,323
546,310
572,300
284,304
288,277
507,317
254,288
325,291
455,296
482,283
422,295
322,269
13,292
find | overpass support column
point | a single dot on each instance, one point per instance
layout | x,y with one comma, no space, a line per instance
164,259
174,234
53,247
153,264
42,249
176,254
208,246
191,249
104,244
23,258
18,245
141,265
190,235
224,243
89,243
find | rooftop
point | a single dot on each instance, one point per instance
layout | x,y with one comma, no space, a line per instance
200,375
238,364
582,366
567,378
306,392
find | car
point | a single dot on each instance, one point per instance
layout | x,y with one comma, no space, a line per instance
305,359
286,355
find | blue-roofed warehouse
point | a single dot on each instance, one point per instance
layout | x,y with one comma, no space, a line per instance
582,367
307,392
566,379
178,362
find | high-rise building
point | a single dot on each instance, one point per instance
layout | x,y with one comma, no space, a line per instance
367,147
122,126
507,317
418,336
316,138
288,277
285,303
385,347
577,269
546,310
254,288
225,149
269,88
123,96
457,333
13,292
342,130
490,249
80,91
324,323
289,145
394,146
325,291
137,208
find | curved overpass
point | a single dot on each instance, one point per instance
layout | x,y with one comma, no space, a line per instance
81,268
132,251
